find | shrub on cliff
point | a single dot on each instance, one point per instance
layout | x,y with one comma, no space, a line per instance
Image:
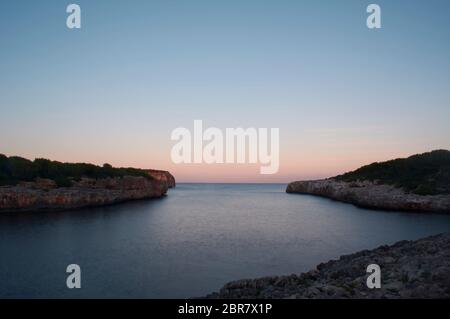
16,169
423,174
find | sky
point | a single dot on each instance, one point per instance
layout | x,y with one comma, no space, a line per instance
342,95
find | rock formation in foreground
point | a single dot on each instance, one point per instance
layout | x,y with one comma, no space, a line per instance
409,269
418,183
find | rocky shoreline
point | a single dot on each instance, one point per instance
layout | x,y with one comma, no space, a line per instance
44,195
162,176
409,269
371,195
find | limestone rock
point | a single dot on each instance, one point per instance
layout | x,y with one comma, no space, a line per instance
44,195
409,269
372,195
163,176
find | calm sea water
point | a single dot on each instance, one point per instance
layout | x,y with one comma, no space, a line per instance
191,242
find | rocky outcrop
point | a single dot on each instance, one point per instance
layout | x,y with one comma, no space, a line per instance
409,269
372,195
162,176
44,195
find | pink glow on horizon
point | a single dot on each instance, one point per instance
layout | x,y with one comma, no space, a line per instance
315,164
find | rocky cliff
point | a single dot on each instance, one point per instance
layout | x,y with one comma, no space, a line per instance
162,176
43,194
372,195
409,269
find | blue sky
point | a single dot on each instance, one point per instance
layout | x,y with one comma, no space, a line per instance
341,94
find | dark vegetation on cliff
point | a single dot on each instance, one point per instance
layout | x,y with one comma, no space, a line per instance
422,174
16,169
